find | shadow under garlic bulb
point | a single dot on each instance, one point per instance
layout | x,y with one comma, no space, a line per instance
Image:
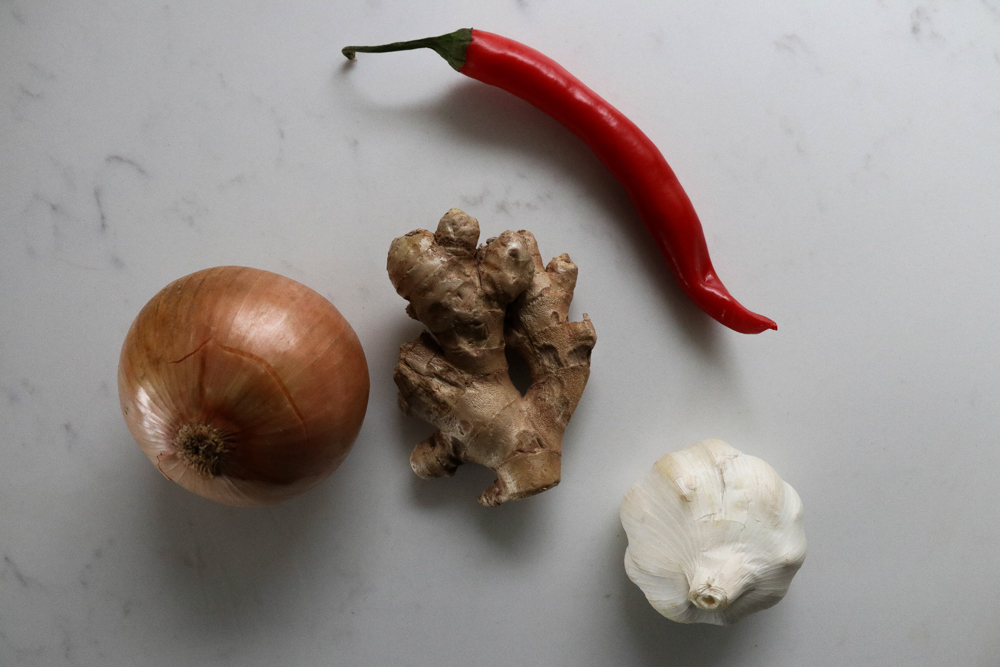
242,385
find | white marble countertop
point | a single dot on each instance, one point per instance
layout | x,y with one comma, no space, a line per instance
845,161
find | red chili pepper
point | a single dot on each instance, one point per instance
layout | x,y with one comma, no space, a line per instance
628,153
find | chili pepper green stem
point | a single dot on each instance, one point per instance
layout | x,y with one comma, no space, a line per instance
451,47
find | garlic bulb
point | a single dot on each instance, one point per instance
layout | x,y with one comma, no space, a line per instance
713,534
242,385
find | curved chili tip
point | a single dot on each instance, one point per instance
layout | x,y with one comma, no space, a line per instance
714,299
755,323
745,321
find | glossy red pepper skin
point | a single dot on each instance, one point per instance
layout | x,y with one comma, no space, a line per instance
625,150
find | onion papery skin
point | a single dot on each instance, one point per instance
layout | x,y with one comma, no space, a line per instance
262,360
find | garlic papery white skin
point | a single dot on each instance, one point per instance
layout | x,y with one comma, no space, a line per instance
713,534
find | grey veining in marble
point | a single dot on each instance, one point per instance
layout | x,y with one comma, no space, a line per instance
844,158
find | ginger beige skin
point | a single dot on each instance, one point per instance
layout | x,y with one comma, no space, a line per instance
475,301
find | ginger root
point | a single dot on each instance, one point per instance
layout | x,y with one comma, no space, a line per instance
475,301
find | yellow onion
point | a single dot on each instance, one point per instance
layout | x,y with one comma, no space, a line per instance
242,385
